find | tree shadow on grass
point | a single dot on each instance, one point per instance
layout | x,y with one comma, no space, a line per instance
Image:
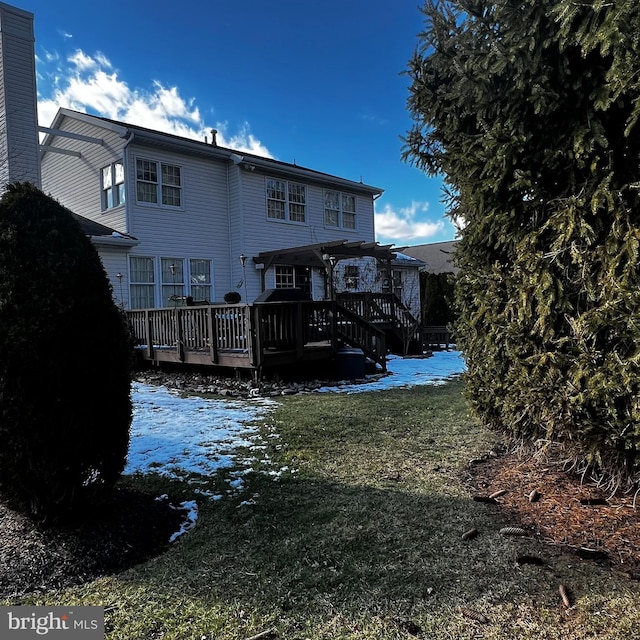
126,528
311,549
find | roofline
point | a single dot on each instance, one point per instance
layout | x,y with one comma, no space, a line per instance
113,241
268,165
20,12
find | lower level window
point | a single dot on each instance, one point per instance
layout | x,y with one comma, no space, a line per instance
288,277
172,270
142,285
200,280
179,279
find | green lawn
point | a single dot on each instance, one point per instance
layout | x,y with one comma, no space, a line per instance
361,539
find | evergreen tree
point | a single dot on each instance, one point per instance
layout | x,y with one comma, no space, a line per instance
65,361
437,292
530,110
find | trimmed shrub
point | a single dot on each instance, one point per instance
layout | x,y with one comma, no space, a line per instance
232,297
65,361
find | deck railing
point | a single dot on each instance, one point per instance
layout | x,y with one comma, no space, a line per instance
210,327
254,332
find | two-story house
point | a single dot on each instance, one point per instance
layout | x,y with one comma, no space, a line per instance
193,219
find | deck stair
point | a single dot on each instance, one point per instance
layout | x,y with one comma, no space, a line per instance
388,313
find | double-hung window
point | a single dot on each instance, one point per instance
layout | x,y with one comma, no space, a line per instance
339,210
141,282
112,179
158,183
200,276
172,272
286,201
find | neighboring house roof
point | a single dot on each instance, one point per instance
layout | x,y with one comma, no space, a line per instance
438,256
102,235
135,133
404,260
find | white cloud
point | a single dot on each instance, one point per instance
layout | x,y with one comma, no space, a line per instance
90,84
406,223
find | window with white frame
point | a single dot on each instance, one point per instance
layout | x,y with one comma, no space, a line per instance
200,279
112,183
172,282
285,278
158,183
288,276
339,209
141,282
286,201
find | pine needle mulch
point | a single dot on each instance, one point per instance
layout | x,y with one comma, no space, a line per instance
562,509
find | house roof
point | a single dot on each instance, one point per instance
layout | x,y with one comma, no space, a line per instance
311,255
103,235
438,256
180,144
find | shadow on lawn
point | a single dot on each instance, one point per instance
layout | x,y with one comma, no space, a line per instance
313,546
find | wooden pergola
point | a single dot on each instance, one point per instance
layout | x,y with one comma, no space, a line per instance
324,255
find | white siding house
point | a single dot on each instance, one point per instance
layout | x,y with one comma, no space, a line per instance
182,212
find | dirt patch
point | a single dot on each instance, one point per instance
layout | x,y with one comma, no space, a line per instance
563,509
127,529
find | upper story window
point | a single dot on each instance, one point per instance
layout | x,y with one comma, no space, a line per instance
158,183
112,178
286,201
339,210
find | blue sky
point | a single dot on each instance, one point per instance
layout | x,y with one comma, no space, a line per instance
318,83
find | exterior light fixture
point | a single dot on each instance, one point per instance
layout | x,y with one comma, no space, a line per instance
243,262
120,276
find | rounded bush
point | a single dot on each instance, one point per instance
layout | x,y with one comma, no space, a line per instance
65,361
232,297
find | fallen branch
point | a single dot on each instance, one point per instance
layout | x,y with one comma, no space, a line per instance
263,635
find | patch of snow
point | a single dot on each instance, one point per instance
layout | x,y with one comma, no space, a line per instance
409,372
176,435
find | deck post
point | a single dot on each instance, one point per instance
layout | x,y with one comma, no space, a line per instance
147,324
258,341
333,317
299,330
180,331
212,336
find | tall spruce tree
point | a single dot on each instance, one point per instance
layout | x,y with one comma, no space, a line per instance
530,111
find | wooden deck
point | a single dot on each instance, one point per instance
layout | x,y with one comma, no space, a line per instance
258,336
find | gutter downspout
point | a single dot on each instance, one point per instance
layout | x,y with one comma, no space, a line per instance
125,160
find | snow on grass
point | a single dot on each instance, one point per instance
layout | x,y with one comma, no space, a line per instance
176,436
410,372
